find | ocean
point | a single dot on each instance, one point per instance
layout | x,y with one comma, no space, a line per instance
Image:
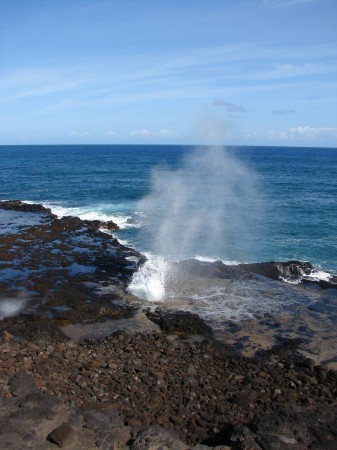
241,204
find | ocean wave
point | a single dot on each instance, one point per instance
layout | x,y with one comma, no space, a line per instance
319,275
316,275
103,213
224,261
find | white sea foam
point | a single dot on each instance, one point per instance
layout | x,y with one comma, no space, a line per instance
291,280
208,259
204,259
148,282
124,242
123,220
318,274
133,259
314,275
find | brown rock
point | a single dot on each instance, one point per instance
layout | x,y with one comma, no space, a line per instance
62,435
7,337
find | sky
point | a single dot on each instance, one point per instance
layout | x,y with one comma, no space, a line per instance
234,72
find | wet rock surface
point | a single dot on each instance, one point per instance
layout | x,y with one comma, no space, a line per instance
161,381
180,321
290,270
252,311
275,270
18,205
63,270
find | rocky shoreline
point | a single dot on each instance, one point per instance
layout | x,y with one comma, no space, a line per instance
85,366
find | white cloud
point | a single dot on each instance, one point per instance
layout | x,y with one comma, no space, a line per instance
142,133
145,133
312,133
76,134
112,133
303,133
166,133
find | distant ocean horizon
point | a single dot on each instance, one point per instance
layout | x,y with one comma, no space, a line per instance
241,204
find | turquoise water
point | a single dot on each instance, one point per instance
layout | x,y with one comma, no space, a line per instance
281,206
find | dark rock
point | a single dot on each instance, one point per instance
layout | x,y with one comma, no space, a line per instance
179,321
22,384
309,364
297,428
214,269
110,225
62,435
17,205
276,270
328,284
268,424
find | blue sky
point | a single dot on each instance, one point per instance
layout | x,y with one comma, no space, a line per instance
242,72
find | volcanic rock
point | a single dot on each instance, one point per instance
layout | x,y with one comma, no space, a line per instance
180,321
276,270
17,205
62,435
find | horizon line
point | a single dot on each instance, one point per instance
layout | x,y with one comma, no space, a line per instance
168,145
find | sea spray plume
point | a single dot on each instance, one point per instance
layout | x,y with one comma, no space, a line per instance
205,208
148,283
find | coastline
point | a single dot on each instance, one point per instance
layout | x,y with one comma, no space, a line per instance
168,369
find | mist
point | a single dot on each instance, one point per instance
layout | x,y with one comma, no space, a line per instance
208,208
12,306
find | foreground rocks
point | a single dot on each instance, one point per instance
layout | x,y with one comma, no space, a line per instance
163,381
196,387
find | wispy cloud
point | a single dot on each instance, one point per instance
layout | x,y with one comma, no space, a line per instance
188,73
282,112
230,107
283,3
39,83
281,71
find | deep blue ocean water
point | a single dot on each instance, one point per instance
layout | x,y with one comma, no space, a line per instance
289,204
